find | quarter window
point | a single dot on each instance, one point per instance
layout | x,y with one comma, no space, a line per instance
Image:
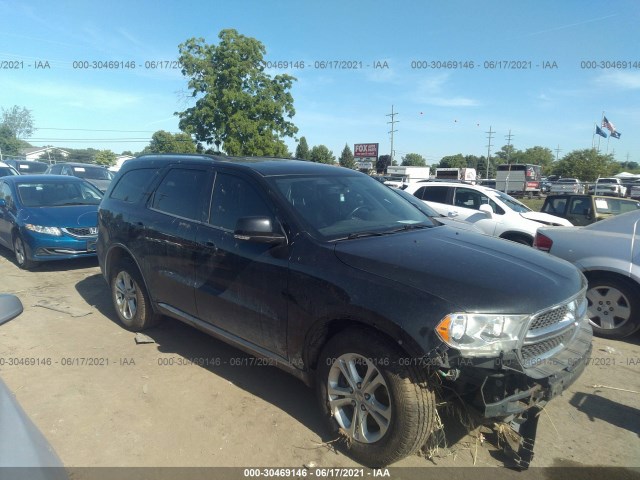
133,185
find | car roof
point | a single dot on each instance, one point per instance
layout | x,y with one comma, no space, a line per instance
265,166
481,188
42,178
79,164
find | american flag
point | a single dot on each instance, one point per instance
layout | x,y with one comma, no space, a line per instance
608,125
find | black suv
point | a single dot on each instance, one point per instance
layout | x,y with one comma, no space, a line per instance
345,284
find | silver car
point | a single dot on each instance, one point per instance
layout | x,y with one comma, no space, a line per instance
608,253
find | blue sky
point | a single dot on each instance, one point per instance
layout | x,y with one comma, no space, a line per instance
440,111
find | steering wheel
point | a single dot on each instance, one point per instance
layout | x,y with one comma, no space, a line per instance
358,209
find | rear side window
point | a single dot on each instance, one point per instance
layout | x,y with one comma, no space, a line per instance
435,194
555,206
182,193
133,185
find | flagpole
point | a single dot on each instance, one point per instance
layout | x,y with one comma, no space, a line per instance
608,144
593,138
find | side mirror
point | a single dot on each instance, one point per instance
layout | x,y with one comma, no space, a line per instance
486,209
257,229
10,306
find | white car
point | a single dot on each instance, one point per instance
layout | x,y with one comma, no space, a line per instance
492,211
608,253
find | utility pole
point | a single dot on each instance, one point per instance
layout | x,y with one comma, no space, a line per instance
490,132
508,137
558,150
392,131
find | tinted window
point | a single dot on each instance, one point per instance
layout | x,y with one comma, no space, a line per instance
90,173
6,171
132,186
55,170
181,193
233,198
435,194
420,192
555,206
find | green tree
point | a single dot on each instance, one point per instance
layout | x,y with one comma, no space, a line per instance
165,142
19,121
538,156
413,160
322,154
509,154
383,162
105,157
82,155
9,143
453,161
586,165
239,108
302,150
346,158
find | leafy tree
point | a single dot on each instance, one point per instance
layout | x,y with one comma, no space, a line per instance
239,108
322,154
453,161
106,158
9,143
586,165
509,153
82,155
165,142
302,150
413,160
129,153
19,121
346,158
629,166
538,156
383,162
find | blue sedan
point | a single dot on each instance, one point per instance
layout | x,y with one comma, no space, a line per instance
48,217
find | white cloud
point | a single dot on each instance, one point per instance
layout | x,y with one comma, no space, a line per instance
620,79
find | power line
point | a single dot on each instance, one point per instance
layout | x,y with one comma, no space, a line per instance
95,130
490,132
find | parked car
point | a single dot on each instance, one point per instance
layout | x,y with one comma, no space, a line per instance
7,170
46,217
546,182
611,187
333,277
27,167
586,209
95,174
634,189
492,211
25,452
567,185
607,253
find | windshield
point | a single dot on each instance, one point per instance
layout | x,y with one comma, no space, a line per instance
92,173
607,180
57,194
345,206
511,202
567,180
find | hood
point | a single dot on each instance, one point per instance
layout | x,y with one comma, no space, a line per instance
546,219
476,273
69,216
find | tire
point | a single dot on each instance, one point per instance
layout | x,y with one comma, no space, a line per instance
398,408
130,298
20,251
613,307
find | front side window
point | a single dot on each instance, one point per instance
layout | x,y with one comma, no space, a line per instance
182,193
133,185
468,198
234,198
5,193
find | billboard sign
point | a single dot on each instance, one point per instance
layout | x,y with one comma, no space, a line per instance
365,152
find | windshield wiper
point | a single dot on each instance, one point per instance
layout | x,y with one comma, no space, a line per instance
365,234
412,226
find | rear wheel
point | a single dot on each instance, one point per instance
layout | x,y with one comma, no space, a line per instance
130,298
614,308
20,251
374,397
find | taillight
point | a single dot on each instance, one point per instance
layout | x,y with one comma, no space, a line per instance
542,242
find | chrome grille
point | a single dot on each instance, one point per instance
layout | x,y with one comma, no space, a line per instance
82,231
549,318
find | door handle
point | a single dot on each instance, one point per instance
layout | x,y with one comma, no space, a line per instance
452,213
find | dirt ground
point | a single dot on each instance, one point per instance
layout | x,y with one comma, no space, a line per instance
187,399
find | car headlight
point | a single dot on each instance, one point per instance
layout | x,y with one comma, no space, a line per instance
481,334
55,231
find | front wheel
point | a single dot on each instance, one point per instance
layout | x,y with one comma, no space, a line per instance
614,308
130,298
20,251
374,397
